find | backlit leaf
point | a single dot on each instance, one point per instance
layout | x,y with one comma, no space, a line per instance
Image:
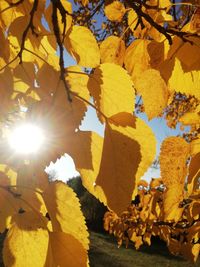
173,156
67,250
86,150
26,242
111,95
64,210
136,58
128,150
154,92
185,82
112,50
114,10
82,45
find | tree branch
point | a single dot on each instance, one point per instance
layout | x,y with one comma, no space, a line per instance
29,26
56,29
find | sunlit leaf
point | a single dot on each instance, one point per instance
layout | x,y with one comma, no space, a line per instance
112,50
111,95
173,157
26,242
82,45
154,92
128,139
114,10
64,210
66,250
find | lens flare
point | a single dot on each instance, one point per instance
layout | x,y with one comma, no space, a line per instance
26,139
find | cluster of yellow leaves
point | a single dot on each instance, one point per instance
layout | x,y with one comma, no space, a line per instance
33,77
144,218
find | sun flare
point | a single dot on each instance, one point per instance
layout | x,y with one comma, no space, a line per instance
26,138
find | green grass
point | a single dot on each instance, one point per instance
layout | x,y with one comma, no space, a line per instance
104,253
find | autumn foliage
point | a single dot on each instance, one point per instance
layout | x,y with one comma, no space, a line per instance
132,56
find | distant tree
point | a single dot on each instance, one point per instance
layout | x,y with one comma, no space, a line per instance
92,208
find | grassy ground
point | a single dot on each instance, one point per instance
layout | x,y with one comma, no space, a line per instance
104,253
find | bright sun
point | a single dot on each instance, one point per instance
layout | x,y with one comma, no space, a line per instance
26,138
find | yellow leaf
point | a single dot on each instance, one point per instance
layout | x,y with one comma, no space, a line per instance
195,146
48,15
114,10
173,196
82,45
67,250
154,92
174,154
112,89
137,240
132,20
191,118
112,50
31,179
77,81
136,58
8,15
8,207
184,82
26,243
64,210
128,150
86,150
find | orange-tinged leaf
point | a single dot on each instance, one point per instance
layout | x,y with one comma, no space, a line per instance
136,58
26,243
114,10
66,250
112,50
188,54
82,45
112,89
154,92
128,150
64,210
174,154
